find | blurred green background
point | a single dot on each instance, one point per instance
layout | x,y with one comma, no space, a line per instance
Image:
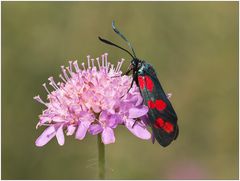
193,47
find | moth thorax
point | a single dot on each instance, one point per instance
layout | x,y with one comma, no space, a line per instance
136,63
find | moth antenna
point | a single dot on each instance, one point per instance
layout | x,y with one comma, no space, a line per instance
113,44
123,37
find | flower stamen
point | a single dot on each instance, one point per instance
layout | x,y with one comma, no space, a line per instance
52,83
65,73
45,87
103,60
69,71
70,66
38,98
92,62
75,64
98,63
88,60
60,75
83,65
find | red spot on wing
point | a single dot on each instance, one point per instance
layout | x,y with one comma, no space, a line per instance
151,104
159,123
149,83
141,82
160,105
168,127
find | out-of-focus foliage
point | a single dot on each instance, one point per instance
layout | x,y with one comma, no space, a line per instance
194,49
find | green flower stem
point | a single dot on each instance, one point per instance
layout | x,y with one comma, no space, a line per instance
101,158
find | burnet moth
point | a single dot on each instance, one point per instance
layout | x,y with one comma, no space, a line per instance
161,115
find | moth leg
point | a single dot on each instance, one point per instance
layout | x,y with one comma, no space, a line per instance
128,89
134,79
153,138
135,122
130,86
128,70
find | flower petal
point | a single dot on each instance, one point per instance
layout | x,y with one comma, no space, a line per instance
103,115
137,129
46,136
96,108
95,129
139,100
108,136
137,112
60,135
76,109
145,120
58,119
82,129
86,117
125,106
113,121
70,130
44,119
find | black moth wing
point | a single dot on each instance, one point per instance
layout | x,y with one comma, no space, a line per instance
168,114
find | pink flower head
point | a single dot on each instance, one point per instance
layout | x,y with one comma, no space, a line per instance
93,99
